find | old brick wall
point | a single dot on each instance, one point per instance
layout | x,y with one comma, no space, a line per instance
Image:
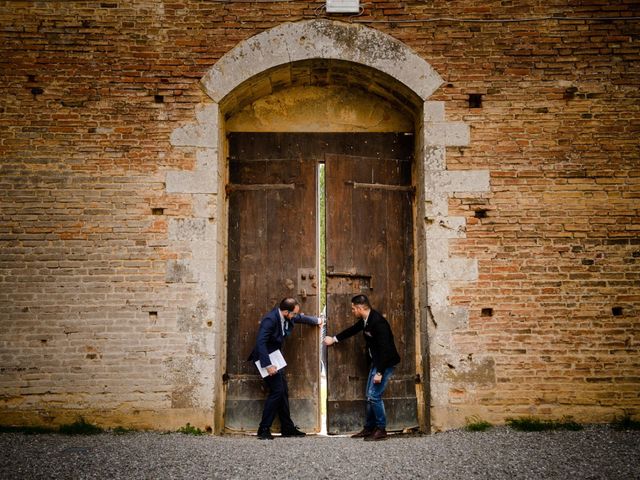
93,286
554,317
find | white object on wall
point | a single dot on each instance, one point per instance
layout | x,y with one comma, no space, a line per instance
343,6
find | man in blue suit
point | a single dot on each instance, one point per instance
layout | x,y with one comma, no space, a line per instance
274,327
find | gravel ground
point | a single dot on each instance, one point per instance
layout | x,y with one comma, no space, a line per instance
597,452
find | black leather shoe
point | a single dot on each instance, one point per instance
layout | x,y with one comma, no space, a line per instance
293,433
265,434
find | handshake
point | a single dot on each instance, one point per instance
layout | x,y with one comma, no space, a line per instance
328,341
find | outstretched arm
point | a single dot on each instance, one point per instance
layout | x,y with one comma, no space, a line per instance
308,319
346,333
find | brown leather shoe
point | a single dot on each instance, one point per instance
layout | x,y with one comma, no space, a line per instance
378,434
364,433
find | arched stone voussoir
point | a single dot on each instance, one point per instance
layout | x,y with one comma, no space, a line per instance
320,39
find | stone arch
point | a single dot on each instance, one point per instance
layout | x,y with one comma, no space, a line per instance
243,74
320,39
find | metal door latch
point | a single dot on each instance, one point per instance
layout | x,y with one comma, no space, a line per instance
307,282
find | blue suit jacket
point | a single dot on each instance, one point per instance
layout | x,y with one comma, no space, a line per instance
270,336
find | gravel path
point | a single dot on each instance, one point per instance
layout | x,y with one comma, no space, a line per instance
598,452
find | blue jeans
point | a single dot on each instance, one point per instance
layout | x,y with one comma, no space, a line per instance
376,417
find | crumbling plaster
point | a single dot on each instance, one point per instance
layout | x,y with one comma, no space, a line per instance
435,228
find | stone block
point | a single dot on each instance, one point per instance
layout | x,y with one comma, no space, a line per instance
434,158
191,182
187,229
461,180
438,292
204,206
180,271
433,112
462,269
204,133
451,134
450,318
446,227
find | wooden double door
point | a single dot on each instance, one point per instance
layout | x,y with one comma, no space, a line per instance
275,190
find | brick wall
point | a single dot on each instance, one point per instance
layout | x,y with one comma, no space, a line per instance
92,293
556,309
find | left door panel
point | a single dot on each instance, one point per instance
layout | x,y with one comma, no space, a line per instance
272,252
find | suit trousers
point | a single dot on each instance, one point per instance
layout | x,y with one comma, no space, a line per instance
277,403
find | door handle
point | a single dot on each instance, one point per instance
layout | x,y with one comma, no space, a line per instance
307,282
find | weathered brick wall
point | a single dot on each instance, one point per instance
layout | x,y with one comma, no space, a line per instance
92,288
555,314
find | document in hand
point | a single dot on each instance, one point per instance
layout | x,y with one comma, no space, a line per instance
276,359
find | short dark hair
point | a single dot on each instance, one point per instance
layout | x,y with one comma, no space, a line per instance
361,300
288,304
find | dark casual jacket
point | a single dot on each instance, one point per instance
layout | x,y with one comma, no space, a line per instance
379,339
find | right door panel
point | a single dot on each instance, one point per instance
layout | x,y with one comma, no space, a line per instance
370,251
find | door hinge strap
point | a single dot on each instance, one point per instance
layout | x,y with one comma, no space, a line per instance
382,186
347,274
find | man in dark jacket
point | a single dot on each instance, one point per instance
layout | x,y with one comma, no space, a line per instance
274,327
383,356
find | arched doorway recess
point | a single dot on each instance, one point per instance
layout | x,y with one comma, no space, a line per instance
312,53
